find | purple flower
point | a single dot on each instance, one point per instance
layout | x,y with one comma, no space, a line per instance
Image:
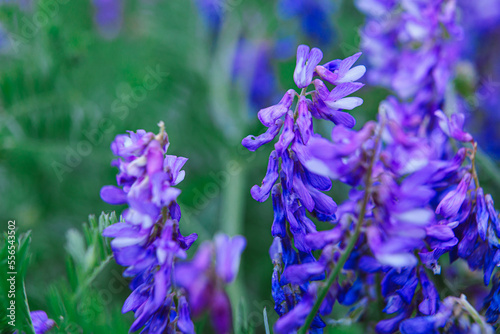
269,115
212,13
252,143
108,16
297,190
203,280
41,322
252,70
492,302
148,240
453,126
314,17
412,46
185,323
482,214
306,63
228,252
451,203
493,213
337,72
262,193
454,316
296,317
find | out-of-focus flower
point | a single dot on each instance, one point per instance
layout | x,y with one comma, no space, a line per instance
41,322
454,316
204,281
108,16
253,71
314,18
411,45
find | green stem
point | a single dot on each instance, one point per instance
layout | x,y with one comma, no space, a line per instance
343,259
232,217
336,271
347,252
473,313
233,201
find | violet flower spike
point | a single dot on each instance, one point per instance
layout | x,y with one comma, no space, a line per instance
148,240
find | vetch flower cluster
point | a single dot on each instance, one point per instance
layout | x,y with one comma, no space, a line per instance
418,137
411,45
149,243
294,188
413,199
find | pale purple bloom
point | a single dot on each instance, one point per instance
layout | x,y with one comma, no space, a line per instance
306,63
451,203
296,188
412,46
228,252
148,240
213,266
41,322
453,126
337,72
269,115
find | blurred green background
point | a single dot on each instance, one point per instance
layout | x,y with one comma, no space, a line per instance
72,77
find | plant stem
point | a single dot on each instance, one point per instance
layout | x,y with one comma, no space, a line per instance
232,211
474,171
324,291
347,252
473,313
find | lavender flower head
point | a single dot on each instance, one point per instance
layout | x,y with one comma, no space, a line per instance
148,241
214,266
108,16
294,188
411,45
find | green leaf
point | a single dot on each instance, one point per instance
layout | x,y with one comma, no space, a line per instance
266,322
78,305
89,253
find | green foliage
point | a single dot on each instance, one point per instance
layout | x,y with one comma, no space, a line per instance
20,248
62,82
76,303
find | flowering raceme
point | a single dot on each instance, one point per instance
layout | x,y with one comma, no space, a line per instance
298,190
414,197
417,140
411,44
149,243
